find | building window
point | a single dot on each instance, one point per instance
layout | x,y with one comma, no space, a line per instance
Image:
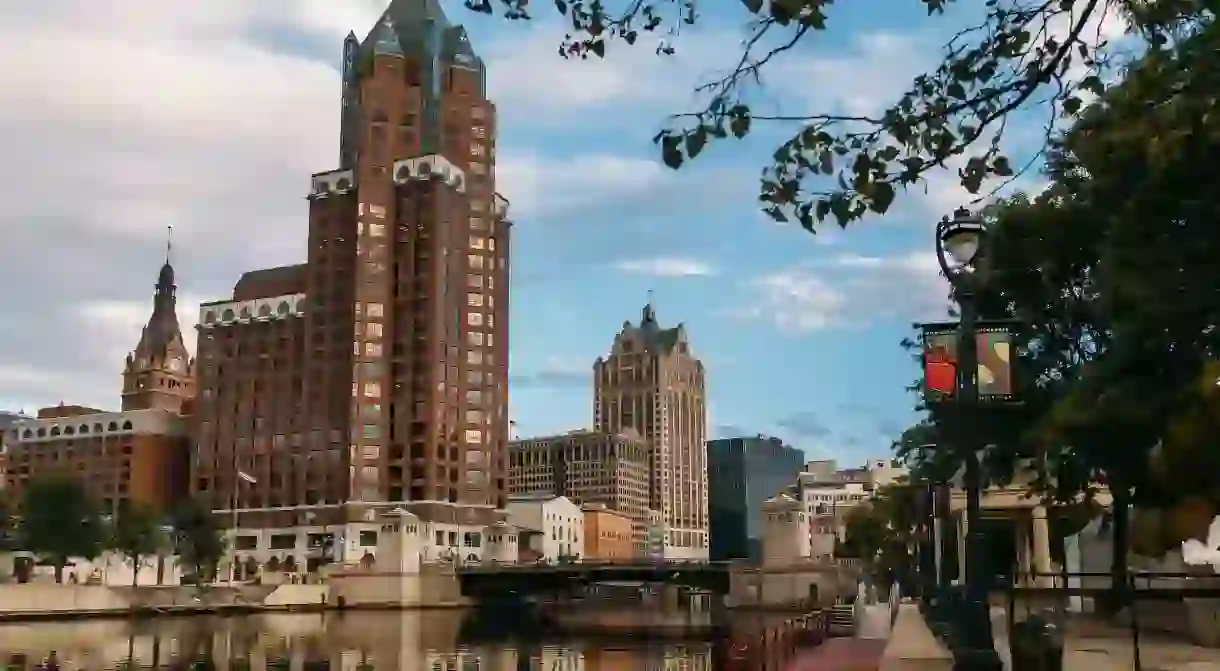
474,318
372,389
474,300
474,281
372,349
371,431
491,244
474,436
474,396
491,282
476,242
474,338
479,131
375,310
474,377
377,230
474,356
477,205
478,168
474,416
478,223
477,149
476,261
373,329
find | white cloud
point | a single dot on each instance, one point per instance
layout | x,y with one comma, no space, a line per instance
666,267
849,291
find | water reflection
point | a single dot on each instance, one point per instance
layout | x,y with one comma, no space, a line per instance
353,641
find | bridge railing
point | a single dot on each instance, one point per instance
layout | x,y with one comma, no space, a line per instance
776,648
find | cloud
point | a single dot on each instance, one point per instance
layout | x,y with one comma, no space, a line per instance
556,373
805,424
848,291
666,267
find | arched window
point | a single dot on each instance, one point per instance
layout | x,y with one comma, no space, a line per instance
245,313
69,431
84,428
27,434
55,431
97,428
283,308
228,315
264,310
127,425
113,426
209,317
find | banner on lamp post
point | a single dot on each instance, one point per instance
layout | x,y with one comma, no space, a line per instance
995,350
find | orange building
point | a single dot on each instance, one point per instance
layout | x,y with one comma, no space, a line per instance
608,534
138,455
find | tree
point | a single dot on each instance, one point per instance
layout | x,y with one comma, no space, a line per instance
60,521
136,534
1021,55
198,539
882,533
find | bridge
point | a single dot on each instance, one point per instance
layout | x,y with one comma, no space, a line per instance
487,581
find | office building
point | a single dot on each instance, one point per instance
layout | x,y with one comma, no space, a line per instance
742,474
586,467
828,494
136,456
374,375
652,383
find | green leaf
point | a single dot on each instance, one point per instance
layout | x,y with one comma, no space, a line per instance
740,125
1001,167
882,197
753,6
696,140
1071,105
671,154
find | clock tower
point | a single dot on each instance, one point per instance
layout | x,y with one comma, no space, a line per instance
160,372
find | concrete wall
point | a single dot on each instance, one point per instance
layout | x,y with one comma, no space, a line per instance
787,588
429,588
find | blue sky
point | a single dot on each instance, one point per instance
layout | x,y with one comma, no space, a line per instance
210,117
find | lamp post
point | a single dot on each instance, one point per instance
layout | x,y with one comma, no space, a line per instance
961,250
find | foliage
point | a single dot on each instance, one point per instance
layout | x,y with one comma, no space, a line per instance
882,532
9,528
60,521
1022,54
136,534
1110,275
198,539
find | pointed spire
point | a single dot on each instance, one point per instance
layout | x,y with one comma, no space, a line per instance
386,38
169,243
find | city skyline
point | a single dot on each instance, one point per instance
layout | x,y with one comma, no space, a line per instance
757,298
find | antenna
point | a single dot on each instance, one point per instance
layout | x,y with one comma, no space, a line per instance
650,296
169,242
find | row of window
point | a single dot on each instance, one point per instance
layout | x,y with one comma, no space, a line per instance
83,429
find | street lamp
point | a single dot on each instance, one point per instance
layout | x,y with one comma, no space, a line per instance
962,251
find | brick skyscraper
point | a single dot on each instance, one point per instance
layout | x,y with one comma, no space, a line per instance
375,375
652,383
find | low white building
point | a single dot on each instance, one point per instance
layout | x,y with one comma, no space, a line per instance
559,526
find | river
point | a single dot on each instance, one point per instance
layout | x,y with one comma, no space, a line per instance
424,640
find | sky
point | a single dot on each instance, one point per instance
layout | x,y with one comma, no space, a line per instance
124,117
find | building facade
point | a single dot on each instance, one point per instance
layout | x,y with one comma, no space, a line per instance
554,527
784,541
586,467
374,375
742,473
121,458
609,534
828,494
652,383
139,455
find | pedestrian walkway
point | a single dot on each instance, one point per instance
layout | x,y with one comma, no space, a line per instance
1104,648
840,654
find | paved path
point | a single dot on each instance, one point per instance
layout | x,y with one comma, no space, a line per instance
1105,648
840,654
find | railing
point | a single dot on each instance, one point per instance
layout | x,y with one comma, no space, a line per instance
776,647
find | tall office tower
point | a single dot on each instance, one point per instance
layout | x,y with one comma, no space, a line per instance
653,384
375,375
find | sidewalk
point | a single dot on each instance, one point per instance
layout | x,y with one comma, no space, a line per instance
1112,651
840,654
